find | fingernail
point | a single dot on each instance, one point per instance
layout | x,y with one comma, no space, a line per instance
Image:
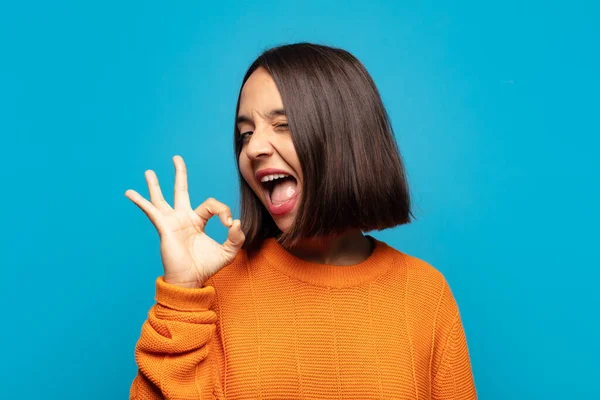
229,220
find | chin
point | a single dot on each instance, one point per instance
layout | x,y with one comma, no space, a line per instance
283,223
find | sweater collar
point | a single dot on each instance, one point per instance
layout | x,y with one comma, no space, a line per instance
378,262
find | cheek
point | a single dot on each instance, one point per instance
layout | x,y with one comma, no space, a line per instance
242,164
246,171
292,156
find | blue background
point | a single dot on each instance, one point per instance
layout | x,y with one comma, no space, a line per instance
495,109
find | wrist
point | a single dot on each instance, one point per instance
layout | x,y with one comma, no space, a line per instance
182,284
180,298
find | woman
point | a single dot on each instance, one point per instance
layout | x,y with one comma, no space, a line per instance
298,303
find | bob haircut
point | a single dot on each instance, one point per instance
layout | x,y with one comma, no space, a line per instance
353,173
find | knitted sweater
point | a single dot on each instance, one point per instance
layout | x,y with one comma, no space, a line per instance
273,326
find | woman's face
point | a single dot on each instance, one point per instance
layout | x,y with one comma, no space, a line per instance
267,149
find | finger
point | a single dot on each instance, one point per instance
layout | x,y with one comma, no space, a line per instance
148,208
156,196
212,207
182,197
235,239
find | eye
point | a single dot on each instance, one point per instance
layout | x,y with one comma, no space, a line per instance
281,126
243,138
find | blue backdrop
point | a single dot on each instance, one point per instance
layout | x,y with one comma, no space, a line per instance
495,109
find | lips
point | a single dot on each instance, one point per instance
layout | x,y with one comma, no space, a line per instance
271,171
276,209
283,208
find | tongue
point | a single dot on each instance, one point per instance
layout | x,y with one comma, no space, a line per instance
283,191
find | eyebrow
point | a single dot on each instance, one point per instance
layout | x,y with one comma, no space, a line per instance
271,114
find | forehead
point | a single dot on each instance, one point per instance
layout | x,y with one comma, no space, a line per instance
259,93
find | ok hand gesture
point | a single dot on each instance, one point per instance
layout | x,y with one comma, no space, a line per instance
189,255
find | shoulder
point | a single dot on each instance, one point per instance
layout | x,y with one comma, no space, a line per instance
424,284
415,267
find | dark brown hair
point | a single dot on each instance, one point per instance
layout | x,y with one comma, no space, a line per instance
354,176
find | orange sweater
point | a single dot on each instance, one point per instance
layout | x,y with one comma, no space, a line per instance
273,326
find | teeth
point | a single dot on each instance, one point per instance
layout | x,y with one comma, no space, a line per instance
268,178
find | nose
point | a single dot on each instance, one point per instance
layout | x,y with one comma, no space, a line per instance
259,144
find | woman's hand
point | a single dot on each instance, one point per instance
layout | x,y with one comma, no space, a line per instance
189,255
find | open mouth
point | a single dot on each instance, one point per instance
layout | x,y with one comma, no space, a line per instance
280,190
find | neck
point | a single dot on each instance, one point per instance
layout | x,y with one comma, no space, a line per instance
348,248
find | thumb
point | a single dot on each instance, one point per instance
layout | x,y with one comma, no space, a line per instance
235,239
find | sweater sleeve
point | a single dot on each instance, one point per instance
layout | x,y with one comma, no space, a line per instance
173,353
452,377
